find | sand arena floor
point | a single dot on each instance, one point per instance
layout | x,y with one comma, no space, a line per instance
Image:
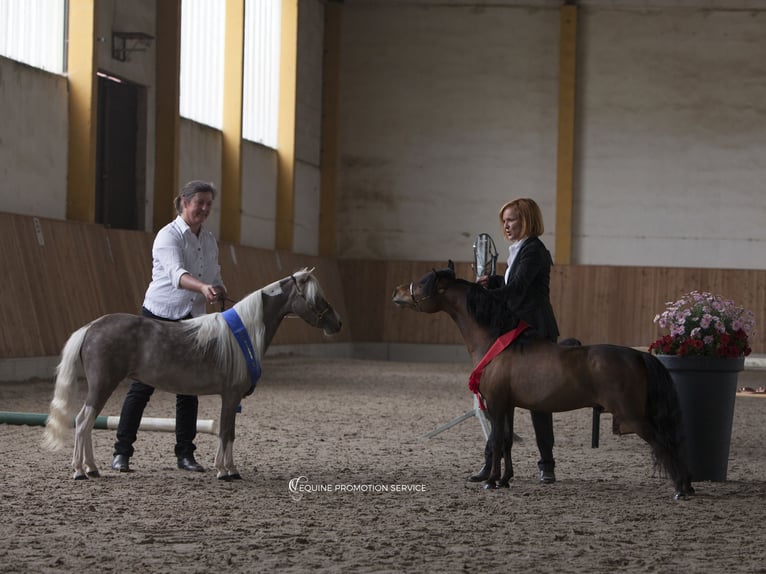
375,496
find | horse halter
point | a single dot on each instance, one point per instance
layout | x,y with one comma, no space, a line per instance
311,307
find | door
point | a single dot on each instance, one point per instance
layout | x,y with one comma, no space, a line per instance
117,197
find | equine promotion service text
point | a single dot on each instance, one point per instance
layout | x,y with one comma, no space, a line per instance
300,486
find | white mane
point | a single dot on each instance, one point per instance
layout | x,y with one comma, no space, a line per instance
211,332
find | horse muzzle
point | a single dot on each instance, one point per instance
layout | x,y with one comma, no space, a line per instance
332,326
403,297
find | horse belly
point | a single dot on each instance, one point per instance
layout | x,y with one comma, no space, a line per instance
181,377
551,400
549,391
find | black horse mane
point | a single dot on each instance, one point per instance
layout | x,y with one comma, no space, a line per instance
488,306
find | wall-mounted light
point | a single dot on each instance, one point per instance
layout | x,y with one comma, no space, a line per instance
123,43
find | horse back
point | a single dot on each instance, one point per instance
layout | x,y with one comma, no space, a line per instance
544,376
158,353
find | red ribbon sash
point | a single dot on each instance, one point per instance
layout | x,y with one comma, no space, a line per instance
501,343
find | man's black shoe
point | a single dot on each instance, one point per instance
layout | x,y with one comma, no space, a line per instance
547,477
188,463
120,463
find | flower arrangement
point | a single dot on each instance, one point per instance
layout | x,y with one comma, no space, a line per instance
702,324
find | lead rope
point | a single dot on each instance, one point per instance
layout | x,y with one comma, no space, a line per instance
223,298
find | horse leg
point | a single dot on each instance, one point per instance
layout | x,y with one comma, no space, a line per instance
83,460
498,439
667,456
505,480
224,456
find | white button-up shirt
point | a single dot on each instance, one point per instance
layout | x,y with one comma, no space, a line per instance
513,251
176,251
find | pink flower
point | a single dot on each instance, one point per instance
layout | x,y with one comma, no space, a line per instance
704,324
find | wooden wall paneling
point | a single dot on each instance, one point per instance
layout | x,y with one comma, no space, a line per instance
409,326
131,267
406,325
82,271
364,288
104,273
19,309
61,283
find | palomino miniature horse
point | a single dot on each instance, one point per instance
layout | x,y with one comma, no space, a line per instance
540,375
197,356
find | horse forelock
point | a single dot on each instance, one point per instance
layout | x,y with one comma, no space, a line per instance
313,290
431,280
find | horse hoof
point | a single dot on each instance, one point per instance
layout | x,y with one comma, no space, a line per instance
679,495
235,476
93,474
505,484
80,477
490,485
225,478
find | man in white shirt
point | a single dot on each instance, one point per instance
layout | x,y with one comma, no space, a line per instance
185,276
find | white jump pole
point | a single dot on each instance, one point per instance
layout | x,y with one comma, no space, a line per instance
104,422
161,424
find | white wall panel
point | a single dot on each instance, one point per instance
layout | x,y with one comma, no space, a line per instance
32,31
261,71
203,26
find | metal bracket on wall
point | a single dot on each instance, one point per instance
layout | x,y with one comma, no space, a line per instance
123,43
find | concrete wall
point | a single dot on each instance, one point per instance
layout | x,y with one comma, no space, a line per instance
200,150
33,133
446,113
672,139
449,109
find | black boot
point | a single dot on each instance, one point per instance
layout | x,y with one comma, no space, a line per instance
483,474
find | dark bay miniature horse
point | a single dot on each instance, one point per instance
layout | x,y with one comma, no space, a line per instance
539,375
197,356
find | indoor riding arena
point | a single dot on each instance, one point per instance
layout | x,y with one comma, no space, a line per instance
379,147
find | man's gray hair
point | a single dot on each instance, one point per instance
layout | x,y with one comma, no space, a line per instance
190,189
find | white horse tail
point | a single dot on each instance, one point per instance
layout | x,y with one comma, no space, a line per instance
63,403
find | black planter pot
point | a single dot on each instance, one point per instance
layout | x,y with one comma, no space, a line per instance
707,389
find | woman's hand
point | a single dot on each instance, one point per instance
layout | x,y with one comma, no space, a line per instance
210,292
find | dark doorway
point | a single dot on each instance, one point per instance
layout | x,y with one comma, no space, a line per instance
119,200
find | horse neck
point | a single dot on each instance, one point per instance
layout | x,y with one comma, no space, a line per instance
275,308
262,315
477,338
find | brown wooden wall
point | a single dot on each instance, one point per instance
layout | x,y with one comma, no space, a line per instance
596,304
62,274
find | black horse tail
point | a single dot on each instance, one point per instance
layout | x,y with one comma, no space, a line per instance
663,411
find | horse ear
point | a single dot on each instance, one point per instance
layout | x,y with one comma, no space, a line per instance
451,265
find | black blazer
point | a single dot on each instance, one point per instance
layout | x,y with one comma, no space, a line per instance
528,289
